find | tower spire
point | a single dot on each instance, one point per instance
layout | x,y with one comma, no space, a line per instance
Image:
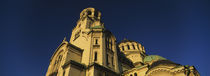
64,39
90,12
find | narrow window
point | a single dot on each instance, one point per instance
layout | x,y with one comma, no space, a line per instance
138,47
135,74
111,45
107,59
96,42
95,59
107,42
133,46
60,58
112,60
128,47
64,73
123,48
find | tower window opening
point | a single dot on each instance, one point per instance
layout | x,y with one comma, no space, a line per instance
107,43
123,48
138,47
133,46
107,59
128,47
135,74
96,42
111,45
89,13
112,60
95,59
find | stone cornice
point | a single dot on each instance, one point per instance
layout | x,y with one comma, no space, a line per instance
102,68
75,47
72,62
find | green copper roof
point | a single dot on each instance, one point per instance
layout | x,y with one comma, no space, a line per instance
97,27
151,58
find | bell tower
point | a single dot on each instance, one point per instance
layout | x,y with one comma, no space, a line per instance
89,17
99,44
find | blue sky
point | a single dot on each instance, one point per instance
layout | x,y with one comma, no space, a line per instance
31,30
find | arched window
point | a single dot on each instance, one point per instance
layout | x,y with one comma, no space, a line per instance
112,60
122,48
131,75
128,47
138,47
107,43
95,59
135,74
89,12
133,46
111,45
107,59
60,58
96,42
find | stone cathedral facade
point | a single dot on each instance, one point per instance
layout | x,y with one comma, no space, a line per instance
93,51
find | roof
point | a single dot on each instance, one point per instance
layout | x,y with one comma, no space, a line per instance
153,58
163,64
64,42
126,40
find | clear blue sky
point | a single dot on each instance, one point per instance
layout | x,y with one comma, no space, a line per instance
31,30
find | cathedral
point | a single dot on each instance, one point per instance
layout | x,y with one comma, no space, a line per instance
93,51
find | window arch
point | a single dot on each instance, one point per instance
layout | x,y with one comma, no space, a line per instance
133,46
122,48
135,74
138,47
128,47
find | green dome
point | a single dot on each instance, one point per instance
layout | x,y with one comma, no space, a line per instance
152,58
